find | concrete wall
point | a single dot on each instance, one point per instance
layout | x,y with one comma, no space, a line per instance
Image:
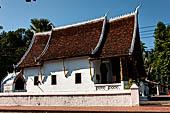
72,66
107,98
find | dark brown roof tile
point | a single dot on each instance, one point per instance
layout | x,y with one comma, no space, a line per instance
38,45
74,41
81,40
119,37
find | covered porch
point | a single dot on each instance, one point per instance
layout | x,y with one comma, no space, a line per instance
114,73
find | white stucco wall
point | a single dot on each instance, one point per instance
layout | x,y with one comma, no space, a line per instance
72,66
104,98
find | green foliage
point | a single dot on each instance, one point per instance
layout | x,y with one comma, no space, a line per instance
157,61
143,47
13,45
1,27
41,25
161,61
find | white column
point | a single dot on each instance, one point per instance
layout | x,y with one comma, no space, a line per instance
134,95
157,87
122,84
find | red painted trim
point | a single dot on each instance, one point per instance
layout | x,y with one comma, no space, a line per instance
134,88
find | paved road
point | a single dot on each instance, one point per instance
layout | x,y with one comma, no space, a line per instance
162,100
43,109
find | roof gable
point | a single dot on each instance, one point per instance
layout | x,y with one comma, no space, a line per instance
119,37
37,45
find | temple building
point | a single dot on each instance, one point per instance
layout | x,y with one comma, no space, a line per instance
81,56
96,55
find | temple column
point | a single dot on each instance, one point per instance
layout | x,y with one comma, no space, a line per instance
90,70
121,70
157,88
41,75
121,73
64,69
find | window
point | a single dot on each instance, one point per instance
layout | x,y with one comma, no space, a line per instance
36,80
19,83
78,78
53,80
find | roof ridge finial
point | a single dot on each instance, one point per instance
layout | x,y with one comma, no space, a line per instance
33,32
107,12
52,27
138,8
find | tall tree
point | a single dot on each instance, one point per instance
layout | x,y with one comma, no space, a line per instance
41,25
13,45
148,57
161,62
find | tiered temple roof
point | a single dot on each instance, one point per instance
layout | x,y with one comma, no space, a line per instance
107,37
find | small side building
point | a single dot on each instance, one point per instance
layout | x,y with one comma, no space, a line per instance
14,82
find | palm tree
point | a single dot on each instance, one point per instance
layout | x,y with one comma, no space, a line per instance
41,25
1,27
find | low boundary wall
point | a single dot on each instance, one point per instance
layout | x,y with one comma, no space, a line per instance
104,98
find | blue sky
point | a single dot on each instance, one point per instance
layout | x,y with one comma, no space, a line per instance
16,14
